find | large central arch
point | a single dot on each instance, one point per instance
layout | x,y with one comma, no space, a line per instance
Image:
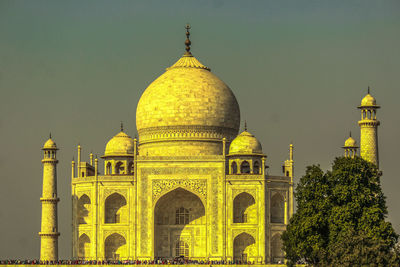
180,225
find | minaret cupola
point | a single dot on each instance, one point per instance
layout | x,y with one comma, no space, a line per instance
369,129
119,154
350,147
246,155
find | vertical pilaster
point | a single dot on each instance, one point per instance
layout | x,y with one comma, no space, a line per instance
95,211
79,161
291,196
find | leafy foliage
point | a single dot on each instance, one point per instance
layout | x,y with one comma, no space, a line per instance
340,217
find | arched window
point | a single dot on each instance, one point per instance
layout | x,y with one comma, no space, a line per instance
245,167
84,247
182,249
256,167
182,216
169,212
84,209
115,208
108,168
243,208
243,247
115,247
277,253
130,168
277,209
234,168
119,168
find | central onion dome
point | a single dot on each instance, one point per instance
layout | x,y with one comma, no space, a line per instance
186,111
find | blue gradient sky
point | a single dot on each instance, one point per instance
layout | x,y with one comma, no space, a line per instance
78,68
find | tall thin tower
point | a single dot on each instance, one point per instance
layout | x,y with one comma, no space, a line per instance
49,229
369,129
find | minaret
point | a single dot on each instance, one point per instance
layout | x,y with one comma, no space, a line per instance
288,170
49,229
369,130
350,147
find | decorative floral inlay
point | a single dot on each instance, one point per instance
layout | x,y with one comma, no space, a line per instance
162,185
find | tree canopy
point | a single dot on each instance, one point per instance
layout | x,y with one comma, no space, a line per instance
340,217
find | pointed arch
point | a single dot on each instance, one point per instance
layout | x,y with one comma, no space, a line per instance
244,208
179,220
108,168
119,167
277,254
202,197
115,209
115,247
84,210
243,247
256,167
234,168
84,247
245,167
277,208
130,168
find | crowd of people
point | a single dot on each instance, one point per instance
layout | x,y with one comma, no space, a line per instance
176,261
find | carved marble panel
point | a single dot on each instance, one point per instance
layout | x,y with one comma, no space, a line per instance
160,186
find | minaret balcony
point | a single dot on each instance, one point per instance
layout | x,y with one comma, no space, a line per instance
49,160
49,234
50,199
371,123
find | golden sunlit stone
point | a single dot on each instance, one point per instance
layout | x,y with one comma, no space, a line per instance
245,143
178,191
186,111
120,145
369,129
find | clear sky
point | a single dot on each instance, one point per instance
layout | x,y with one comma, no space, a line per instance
76,68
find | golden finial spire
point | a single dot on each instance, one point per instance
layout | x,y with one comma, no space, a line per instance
245,125
122,126
187,42
350,133
368,89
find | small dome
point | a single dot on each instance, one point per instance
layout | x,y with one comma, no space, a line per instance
368,101
120,145
245,143
350,142
50,144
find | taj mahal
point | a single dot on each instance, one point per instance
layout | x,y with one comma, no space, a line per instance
191,185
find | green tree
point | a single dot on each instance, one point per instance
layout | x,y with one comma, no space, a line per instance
340,217
358,249
307,236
